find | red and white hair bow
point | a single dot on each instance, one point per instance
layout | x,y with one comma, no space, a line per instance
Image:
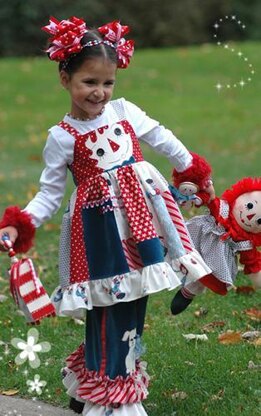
66,37
114,32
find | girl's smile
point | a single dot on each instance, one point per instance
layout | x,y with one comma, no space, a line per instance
90,87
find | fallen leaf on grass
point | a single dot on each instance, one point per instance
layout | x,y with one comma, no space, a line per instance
197,337
189,363
252,366
78,321
151,406
19,312
34,255
218,396
12,366
11,392
54,321
35,158
257,342
212,325
179,395
254,314
251,335
31,192
201,312
245,290
51,227
230,337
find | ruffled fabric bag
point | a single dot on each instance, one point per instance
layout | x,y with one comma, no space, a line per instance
27,289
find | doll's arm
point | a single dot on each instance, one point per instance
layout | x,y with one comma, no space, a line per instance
198,174
214,207
251,259
252,262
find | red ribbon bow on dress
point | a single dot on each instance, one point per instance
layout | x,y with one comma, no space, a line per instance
114,32
66,37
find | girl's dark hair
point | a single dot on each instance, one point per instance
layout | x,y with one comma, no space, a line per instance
102,50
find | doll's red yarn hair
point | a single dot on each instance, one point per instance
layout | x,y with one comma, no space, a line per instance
245,185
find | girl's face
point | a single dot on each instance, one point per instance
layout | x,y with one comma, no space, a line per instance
90,87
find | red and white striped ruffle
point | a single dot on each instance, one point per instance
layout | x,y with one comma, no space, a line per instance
104,391
131,253
178,221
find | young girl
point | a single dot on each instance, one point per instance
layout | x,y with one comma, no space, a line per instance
122,236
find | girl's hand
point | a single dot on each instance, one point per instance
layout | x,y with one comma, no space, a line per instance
13,234
209,189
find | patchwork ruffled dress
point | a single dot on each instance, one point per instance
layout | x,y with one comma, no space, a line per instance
122,238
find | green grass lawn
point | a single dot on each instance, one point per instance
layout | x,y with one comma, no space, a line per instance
177,87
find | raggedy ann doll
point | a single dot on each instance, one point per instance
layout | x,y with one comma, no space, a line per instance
232,228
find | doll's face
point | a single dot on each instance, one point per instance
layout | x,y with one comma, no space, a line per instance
247,211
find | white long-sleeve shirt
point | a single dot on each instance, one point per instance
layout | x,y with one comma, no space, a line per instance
58,153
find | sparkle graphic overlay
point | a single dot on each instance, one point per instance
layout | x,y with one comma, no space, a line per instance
250,70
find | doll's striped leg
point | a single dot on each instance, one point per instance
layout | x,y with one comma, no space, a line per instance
184,297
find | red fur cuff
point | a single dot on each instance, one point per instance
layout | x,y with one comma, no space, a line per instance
22,221
199,173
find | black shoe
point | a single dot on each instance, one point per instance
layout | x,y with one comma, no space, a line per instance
179,303
76,406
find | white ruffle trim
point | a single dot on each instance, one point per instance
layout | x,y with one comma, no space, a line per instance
71,384
190,268
73,300
135,409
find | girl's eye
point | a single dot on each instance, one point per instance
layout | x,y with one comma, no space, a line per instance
89,82
100,152
117,131
259,221
249,205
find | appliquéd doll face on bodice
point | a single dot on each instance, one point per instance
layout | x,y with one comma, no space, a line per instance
110,146
105,148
